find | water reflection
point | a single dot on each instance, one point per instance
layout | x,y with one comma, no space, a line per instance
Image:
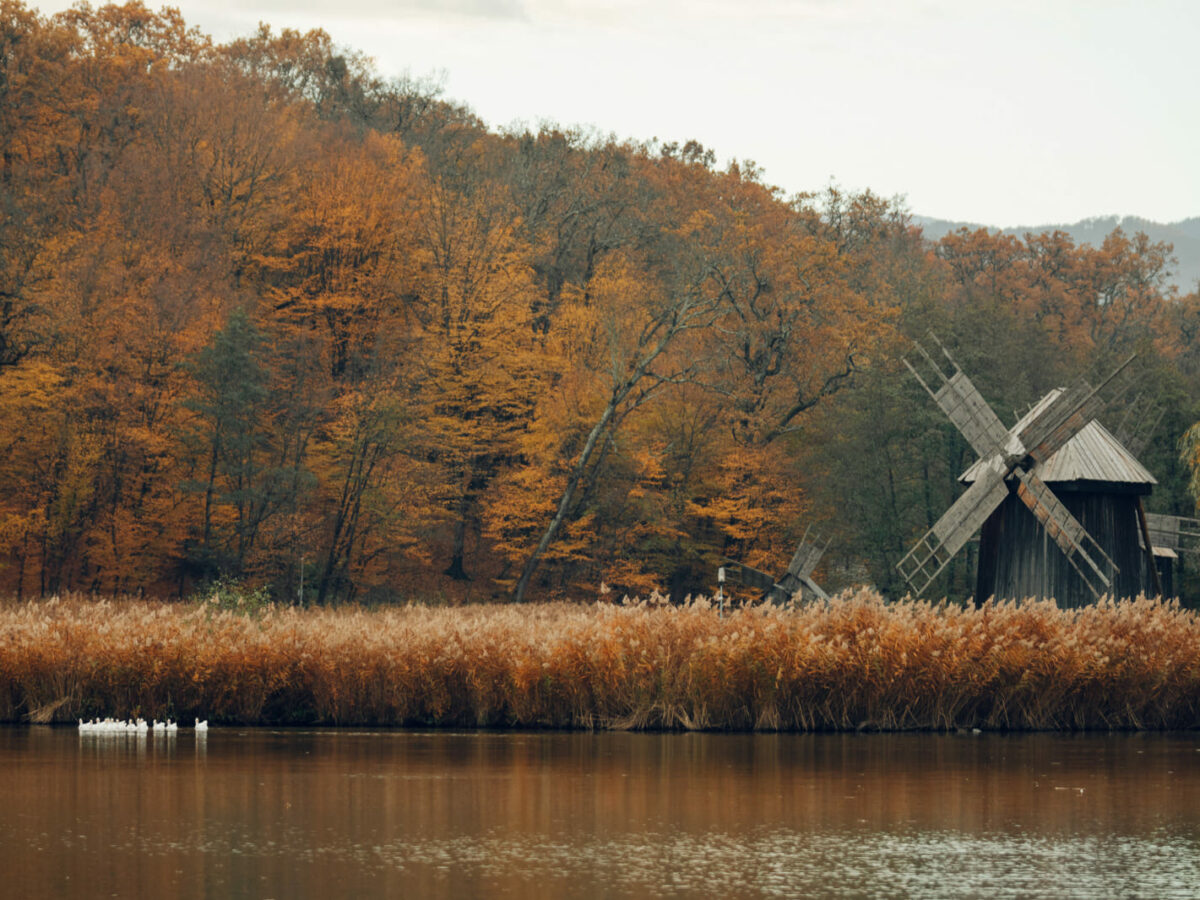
321,814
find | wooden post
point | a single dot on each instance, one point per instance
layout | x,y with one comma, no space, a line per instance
1141,511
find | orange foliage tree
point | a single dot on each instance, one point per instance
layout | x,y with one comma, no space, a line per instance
266,315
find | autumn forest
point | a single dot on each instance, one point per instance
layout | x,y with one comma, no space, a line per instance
270,318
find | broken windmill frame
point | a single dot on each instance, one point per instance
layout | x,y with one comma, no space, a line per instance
1171,536
1138,423
797,578
1010,462
1177,533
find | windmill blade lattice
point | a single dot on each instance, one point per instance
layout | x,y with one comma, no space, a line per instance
962,403
799,572
1071,537
939,544
797,577
805,559
740,573
1138,423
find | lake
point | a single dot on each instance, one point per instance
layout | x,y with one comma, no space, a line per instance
262,813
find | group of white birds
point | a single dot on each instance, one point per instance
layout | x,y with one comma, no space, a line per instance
137,726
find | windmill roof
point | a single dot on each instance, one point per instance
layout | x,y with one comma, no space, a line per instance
1093,454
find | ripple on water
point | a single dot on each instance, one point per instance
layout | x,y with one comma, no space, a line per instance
786,863
768,863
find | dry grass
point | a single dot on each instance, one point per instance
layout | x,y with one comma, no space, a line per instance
856,663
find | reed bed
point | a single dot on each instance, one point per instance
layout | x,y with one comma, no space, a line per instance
854,663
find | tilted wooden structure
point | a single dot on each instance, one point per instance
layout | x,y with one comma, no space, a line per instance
1169,537
1138,422
1033,542
796,580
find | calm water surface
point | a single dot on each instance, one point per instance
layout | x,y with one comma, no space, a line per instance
316,814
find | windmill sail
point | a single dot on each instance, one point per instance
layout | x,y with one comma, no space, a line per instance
805,559
1138,423
814,587
799,572
776,591
1060,421
968,513
1064,417
1071,537
740,573
963,404
797,578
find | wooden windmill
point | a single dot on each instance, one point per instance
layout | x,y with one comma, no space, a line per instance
1006,485
797,578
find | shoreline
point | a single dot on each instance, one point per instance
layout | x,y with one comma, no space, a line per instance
855,664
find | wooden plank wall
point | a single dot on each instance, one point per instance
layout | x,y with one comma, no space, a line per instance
1018,559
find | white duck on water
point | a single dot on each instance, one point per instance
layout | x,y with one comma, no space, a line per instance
137,726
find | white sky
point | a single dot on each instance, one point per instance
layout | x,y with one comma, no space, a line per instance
1007,112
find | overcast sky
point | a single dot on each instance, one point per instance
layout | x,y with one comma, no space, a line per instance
1007,112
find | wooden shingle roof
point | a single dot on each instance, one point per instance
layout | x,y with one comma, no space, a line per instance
1091,455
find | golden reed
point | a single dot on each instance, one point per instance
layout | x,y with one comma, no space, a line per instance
856,663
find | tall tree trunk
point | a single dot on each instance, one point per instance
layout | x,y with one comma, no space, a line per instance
457,569
568,496
656,336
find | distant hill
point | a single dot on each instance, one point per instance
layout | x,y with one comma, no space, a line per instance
1185,235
